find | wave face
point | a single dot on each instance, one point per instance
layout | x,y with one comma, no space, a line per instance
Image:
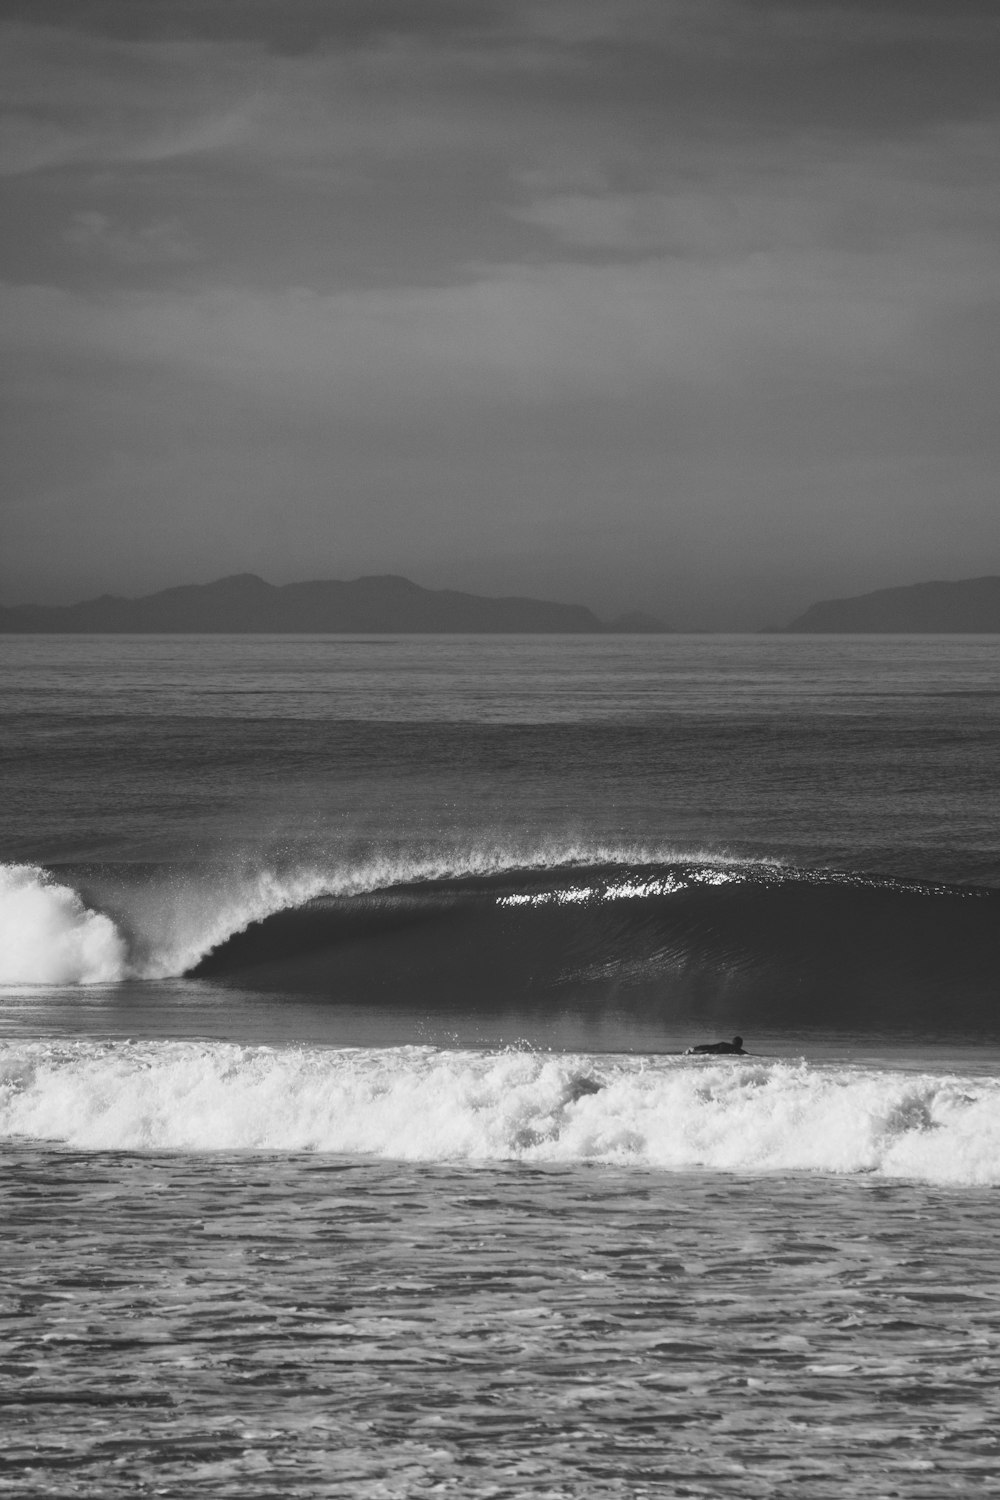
422,1104
759,942
763,945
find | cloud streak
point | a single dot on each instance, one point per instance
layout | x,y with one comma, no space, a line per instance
546,332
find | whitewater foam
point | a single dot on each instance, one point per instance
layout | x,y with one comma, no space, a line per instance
423,1104
48,935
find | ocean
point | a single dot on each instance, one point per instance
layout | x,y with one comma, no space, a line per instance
350,1145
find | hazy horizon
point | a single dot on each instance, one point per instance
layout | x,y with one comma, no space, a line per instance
606,619
687,306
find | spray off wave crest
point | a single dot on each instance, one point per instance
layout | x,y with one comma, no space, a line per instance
421,1104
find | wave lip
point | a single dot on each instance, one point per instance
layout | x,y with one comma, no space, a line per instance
422,1104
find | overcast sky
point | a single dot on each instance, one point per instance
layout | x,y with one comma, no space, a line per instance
689,305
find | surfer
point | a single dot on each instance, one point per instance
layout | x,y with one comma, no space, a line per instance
735,1046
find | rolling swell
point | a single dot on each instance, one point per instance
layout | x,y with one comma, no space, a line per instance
740,945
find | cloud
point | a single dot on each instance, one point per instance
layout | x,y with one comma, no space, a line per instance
292,28
89,101
635,273
158,242
395,79
527,333
73,101
813,191
698,221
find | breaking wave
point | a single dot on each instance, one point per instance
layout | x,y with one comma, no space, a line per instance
761,942
156,925
422,1104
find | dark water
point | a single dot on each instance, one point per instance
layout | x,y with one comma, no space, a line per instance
878,755
667,944
348,1143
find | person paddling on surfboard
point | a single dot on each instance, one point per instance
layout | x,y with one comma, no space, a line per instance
735,1046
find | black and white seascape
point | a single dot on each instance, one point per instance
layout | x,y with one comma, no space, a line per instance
350,1146
499,593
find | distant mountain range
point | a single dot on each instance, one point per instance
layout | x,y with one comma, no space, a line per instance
245,604
970,606
387,604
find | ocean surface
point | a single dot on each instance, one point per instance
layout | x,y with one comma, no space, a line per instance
348,1141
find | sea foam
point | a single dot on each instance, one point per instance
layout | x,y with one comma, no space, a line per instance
425,1104
48,935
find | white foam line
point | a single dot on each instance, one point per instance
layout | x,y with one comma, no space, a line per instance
423,1104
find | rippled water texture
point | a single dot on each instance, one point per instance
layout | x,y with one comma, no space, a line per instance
264,1325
